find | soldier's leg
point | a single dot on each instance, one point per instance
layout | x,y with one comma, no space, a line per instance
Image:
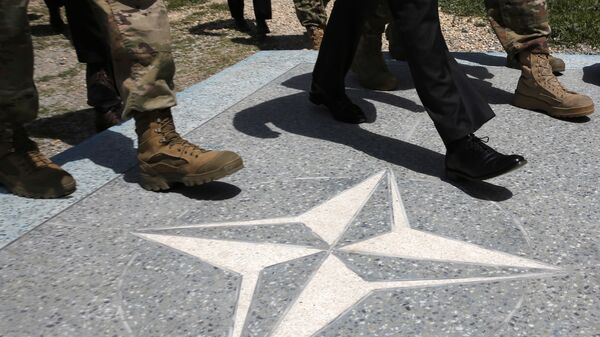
522,28
519,24
369,64
312,15
23,169
18,96
141,49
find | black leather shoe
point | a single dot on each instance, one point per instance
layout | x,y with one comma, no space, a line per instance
470,158
262,29
342,109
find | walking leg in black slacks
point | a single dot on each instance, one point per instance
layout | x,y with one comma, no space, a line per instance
453,104
89,40
262,12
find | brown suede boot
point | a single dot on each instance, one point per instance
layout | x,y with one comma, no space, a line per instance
370,67
25,171
315,36
166,158
540,90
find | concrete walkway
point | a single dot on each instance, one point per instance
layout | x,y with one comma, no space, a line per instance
330,230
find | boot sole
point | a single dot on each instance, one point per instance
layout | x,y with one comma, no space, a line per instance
51,194
158,183
456,175
531,103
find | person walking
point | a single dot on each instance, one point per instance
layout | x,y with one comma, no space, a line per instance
137,32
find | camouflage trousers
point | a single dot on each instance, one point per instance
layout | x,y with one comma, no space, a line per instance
139,39
311,12
520,24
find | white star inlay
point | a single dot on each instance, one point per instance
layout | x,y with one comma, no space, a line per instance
334,288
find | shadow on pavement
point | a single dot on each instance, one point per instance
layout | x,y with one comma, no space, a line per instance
271,42
71,127
482,58
478,75
296,115
213,191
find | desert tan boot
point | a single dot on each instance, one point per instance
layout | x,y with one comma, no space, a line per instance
540,90
370,67
557,64
25,171
315,36
166,158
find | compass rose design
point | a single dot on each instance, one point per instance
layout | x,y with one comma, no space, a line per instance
333,288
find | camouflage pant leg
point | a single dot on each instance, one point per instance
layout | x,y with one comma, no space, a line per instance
140,42
520,24
311,12
18,96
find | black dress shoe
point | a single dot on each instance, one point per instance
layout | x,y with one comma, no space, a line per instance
262,29
470,158
242,25
342,108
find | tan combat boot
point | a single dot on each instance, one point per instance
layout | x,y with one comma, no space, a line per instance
540,90
370,67
558,65
25,171
166,158
315,36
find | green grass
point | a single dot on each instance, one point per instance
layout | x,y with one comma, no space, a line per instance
173,4
572,21
575,21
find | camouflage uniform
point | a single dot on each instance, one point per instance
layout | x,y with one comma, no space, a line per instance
312,12
139,38
520,25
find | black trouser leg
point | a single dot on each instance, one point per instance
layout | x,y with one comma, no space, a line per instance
455,106
262,10
339,45
87,35
89,40
236,8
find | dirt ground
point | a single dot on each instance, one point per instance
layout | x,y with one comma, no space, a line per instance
204,42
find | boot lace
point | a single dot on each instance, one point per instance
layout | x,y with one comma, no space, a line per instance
548,78
38,159
32,161
171,138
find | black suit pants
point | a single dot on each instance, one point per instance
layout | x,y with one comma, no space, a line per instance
262,9
455,106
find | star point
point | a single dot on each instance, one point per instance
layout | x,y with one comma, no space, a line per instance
333,287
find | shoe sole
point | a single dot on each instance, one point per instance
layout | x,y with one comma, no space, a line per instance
158,183
456,175
531,103
50,194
